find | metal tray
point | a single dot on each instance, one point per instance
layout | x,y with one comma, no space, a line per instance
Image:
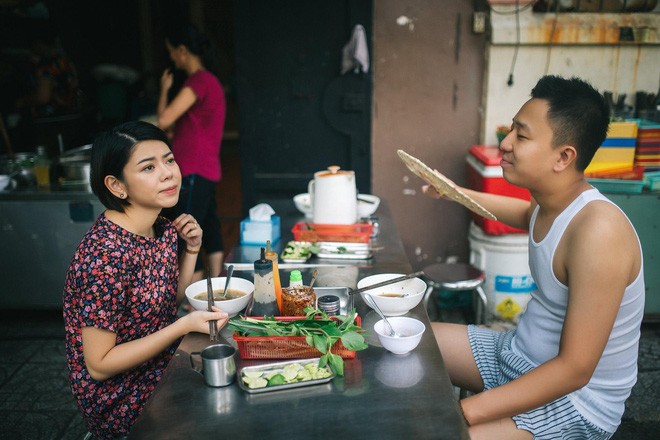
278,366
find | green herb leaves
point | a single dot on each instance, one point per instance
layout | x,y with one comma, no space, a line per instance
319,330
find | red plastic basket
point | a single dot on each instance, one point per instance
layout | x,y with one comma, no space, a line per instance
285,347
356,233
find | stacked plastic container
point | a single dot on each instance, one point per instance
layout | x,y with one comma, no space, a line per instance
617,152
647,153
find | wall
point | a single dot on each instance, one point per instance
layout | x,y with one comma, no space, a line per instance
426,100
584,45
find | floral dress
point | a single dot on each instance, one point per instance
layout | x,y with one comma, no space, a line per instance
124,283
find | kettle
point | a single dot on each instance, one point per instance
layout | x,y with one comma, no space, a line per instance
333,195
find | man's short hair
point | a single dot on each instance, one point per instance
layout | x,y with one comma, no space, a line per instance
578,115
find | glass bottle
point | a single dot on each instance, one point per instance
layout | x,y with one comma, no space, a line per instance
265,301
272,256
41,167
295,279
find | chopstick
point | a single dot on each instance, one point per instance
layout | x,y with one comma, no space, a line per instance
213,324
387,282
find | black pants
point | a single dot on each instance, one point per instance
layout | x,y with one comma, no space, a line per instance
197,198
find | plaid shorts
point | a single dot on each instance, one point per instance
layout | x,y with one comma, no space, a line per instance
498,365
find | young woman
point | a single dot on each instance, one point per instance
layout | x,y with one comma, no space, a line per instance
196,118
125,281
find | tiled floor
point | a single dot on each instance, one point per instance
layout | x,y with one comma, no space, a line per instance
36,402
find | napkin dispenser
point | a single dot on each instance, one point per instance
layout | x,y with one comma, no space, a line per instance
258,232
260,226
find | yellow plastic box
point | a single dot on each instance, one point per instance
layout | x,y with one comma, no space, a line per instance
622,130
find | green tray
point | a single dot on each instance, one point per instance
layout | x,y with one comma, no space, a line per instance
618,186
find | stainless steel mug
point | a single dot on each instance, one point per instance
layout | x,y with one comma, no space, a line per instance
218,364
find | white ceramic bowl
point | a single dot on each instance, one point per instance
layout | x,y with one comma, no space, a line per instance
411,329
367,205
394,306
304,204
231,306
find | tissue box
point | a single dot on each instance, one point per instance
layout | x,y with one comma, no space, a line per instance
257,233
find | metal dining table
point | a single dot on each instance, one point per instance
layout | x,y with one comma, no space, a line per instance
381,395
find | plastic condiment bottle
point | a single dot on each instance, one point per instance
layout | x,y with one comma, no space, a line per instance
272,256
41,167
265,300
295,279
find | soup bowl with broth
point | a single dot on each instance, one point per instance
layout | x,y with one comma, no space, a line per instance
238,296
394,299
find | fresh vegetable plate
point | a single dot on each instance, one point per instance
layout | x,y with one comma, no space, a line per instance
296,252
285,375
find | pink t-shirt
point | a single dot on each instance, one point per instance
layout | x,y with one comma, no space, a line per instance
198,133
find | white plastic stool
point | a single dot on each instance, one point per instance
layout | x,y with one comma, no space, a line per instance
457,277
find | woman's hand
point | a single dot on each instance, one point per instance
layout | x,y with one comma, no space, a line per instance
198,321
189,231
166,80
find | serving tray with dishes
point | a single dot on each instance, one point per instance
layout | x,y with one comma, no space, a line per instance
283,375
342,251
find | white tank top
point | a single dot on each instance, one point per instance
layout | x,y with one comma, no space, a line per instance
538,333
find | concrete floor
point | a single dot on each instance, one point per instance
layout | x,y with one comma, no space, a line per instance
36,401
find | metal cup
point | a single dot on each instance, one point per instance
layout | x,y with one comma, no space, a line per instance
218,364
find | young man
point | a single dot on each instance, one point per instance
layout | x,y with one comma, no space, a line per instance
567,369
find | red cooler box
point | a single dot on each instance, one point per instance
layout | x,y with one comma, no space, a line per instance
485,174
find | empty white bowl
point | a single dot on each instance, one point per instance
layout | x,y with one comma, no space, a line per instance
367,205
303,203
414,289
231,306
411,330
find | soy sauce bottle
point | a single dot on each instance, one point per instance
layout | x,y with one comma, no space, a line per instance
265,299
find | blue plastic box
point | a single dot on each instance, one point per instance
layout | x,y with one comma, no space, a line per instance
257,233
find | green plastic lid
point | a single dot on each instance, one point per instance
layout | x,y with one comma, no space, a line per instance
295,276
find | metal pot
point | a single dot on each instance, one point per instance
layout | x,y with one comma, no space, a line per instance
80,154
76,171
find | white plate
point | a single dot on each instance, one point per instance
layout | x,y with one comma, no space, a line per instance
295,257
367,204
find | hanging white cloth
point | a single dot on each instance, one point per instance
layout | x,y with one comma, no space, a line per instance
355,55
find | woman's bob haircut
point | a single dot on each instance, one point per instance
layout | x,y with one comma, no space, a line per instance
110,154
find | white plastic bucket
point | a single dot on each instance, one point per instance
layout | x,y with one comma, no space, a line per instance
504,260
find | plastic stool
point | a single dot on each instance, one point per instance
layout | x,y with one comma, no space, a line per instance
457,277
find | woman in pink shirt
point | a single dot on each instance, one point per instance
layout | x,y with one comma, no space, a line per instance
196,118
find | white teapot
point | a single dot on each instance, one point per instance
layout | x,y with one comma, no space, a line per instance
333,196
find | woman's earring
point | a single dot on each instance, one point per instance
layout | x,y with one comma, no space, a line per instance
122,195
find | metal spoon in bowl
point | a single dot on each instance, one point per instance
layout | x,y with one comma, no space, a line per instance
372,303
230,271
